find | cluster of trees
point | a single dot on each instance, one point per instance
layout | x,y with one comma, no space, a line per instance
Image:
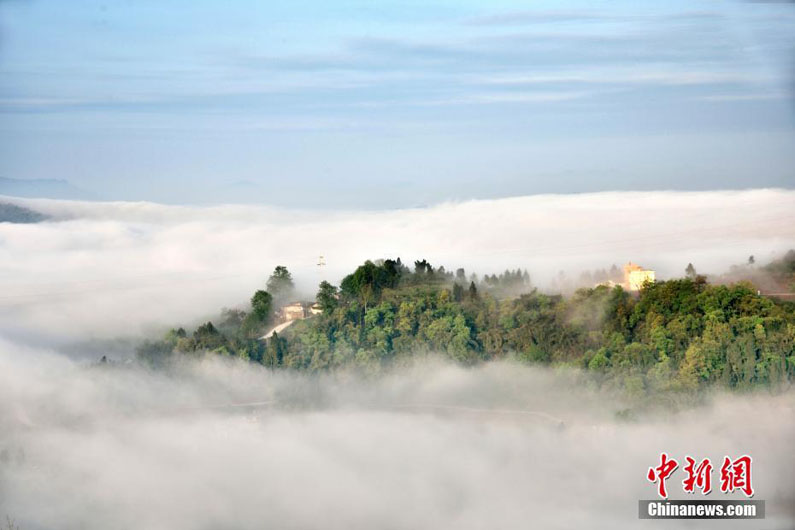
681,334
238,332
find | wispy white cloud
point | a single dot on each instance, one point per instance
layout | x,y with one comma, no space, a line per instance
646,75
758,96
548,16
515,18
523,97
430,446
107,269
475,97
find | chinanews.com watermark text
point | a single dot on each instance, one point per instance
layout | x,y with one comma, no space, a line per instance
691,509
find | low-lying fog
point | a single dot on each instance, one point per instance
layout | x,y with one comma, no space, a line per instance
109,269
217,444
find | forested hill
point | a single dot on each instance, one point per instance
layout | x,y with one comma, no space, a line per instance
680,334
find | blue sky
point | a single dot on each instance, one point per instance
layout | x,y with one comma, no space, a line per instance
362,104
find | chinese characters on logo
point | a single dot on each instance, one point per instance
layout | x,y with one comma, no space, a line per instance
661,473
698,476
734,475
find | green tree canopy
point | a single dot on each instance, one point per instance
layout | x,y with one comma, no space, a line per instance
261,304
370,279
676,335
327,296
280,284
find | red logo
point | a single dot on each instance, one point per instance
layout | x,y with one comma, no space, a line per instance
698,476
734,475
661,473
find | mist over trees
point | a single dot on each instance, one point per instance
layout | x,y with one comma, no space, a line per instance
280,284
677,335
776,277
238,333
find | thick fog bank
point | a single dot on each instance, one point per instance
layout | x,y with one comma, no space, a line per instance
215,444
109,269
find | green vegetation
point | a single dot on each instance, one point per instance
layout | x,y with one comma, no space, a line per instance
677,335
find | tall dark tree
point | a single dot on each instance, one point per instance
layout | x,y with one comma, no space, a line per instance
280,284
690,271
261,304
274,352
458,292
327,296
473,291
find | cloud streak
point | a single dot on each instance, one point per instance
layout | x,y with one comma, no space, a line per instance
544,17
105,269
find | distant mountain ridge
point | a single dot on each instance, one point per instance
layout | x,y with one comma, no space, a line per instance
11,213
42,188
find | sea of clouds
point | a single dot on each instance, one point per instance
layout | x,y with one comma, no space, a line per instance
217,443
109,269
